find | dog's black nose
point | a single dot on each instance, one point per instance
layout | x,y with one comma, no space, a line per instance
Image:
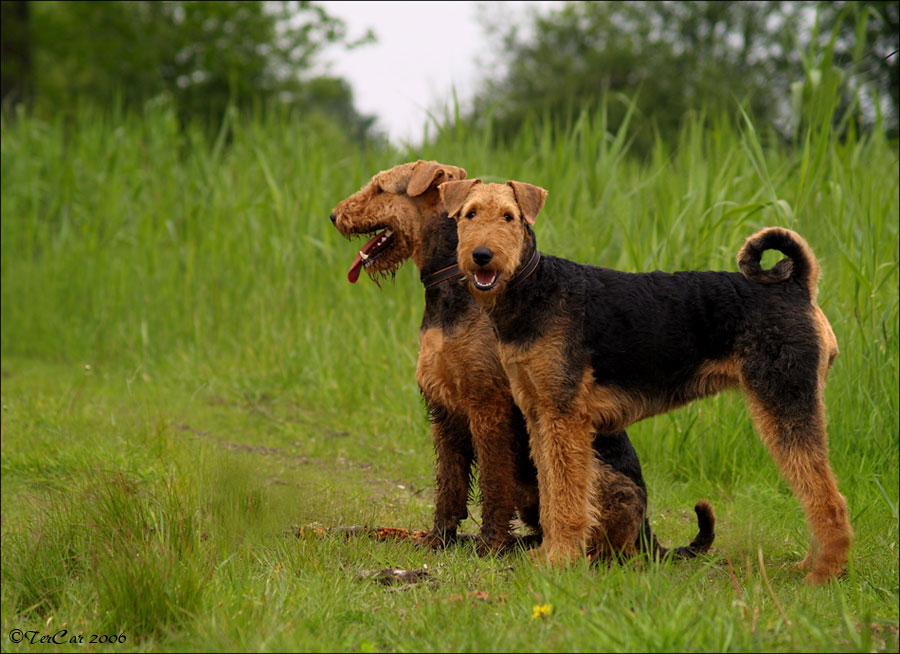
333,218
482,256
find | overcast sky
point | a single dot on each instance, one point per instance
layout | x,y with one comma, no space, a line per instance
424,49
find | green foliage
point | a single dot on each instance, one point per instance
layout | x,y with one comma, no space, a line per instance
15,74
866,50
187,375
204,56
676,58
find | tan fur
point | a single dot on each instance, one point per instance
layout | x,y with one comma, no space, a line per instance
616,523
814,481
460,370
530,199
809,474
494,200
561,421
428,173
828,340
561,448
535,371
368,210
453,194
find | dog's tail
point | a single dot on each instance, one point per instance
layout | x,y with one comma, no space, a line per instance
706,534
801,263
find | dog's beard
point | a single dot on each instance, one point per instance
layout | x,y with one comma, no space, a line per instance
486,299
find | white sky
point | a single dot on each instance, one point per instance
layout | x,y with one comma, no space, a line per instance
423,51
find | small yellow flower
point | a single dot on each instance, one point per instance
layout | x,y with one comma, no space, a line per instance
541,610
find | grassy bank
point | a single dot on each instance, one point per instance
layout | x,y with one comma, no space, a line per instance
187,374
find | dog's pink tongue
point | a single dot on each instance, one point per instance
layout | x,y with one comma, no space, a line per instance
353,273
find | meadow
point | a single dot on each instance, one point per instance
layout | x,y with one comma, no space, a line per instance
187,377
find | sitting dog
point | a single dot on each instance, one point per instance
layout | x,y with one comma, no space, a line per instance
591,349
465,388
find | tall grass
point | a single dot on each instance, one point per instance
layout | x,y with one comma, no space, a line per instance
137,245
187,373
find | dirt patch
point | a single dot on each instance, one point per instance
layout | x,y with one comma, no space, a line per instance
363,471
240,447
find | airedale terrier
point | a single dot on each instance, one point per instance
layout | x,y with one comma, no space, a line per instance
588,348
463,382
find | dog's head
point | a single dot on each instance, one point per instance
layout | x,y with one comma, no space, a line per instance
391,210
491,222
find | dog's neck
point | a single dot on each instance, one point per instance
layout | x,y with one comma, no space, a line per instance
524,299
447,301
438,245
528,262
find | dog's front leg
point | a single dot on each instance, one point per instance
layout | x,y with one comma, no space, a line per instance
560,433
453,461
493,437
561,445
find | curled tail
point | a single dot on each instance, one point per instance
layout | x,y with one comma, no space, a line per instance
706,534
801,263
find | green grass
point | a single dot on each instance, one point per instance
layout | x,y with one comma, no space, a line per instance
187,374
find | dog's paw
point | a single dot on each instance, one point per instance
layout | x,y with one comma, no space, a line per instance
817,578
493,545
822,574
538,557
436,539
556,556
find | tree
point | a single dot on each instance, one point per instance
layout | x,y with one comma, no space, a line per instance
673,57
204,55
16,77
866,50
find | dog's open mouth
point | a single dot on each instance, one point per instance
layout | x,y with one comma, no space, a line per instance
374,248
485,280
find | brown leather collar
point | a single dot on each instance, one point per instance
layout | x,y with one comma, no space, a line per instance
528,269
442,275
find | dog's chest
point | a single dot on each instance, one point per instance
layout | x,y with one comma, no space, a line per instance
460,366
533,376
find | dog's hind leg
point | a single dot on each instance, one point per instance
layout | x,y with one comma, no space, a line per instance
527,496
453,450
785,384
618,511
799,446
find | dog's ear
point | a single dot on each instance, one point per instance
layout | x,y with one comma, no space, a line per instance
427,173
453,173
454,194
529,198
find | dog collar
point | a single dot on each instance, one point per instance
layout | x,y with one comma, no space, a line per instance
442,275
529,268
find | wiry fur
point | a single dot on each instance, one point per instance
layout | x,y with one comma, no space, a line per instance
467,392
589,348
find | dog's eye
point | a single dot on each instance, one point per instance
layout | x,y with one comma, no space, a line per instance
508,217
379,190
470,215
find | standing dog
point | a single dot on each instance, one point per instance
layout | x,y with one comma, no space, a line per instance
589,348
464,384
